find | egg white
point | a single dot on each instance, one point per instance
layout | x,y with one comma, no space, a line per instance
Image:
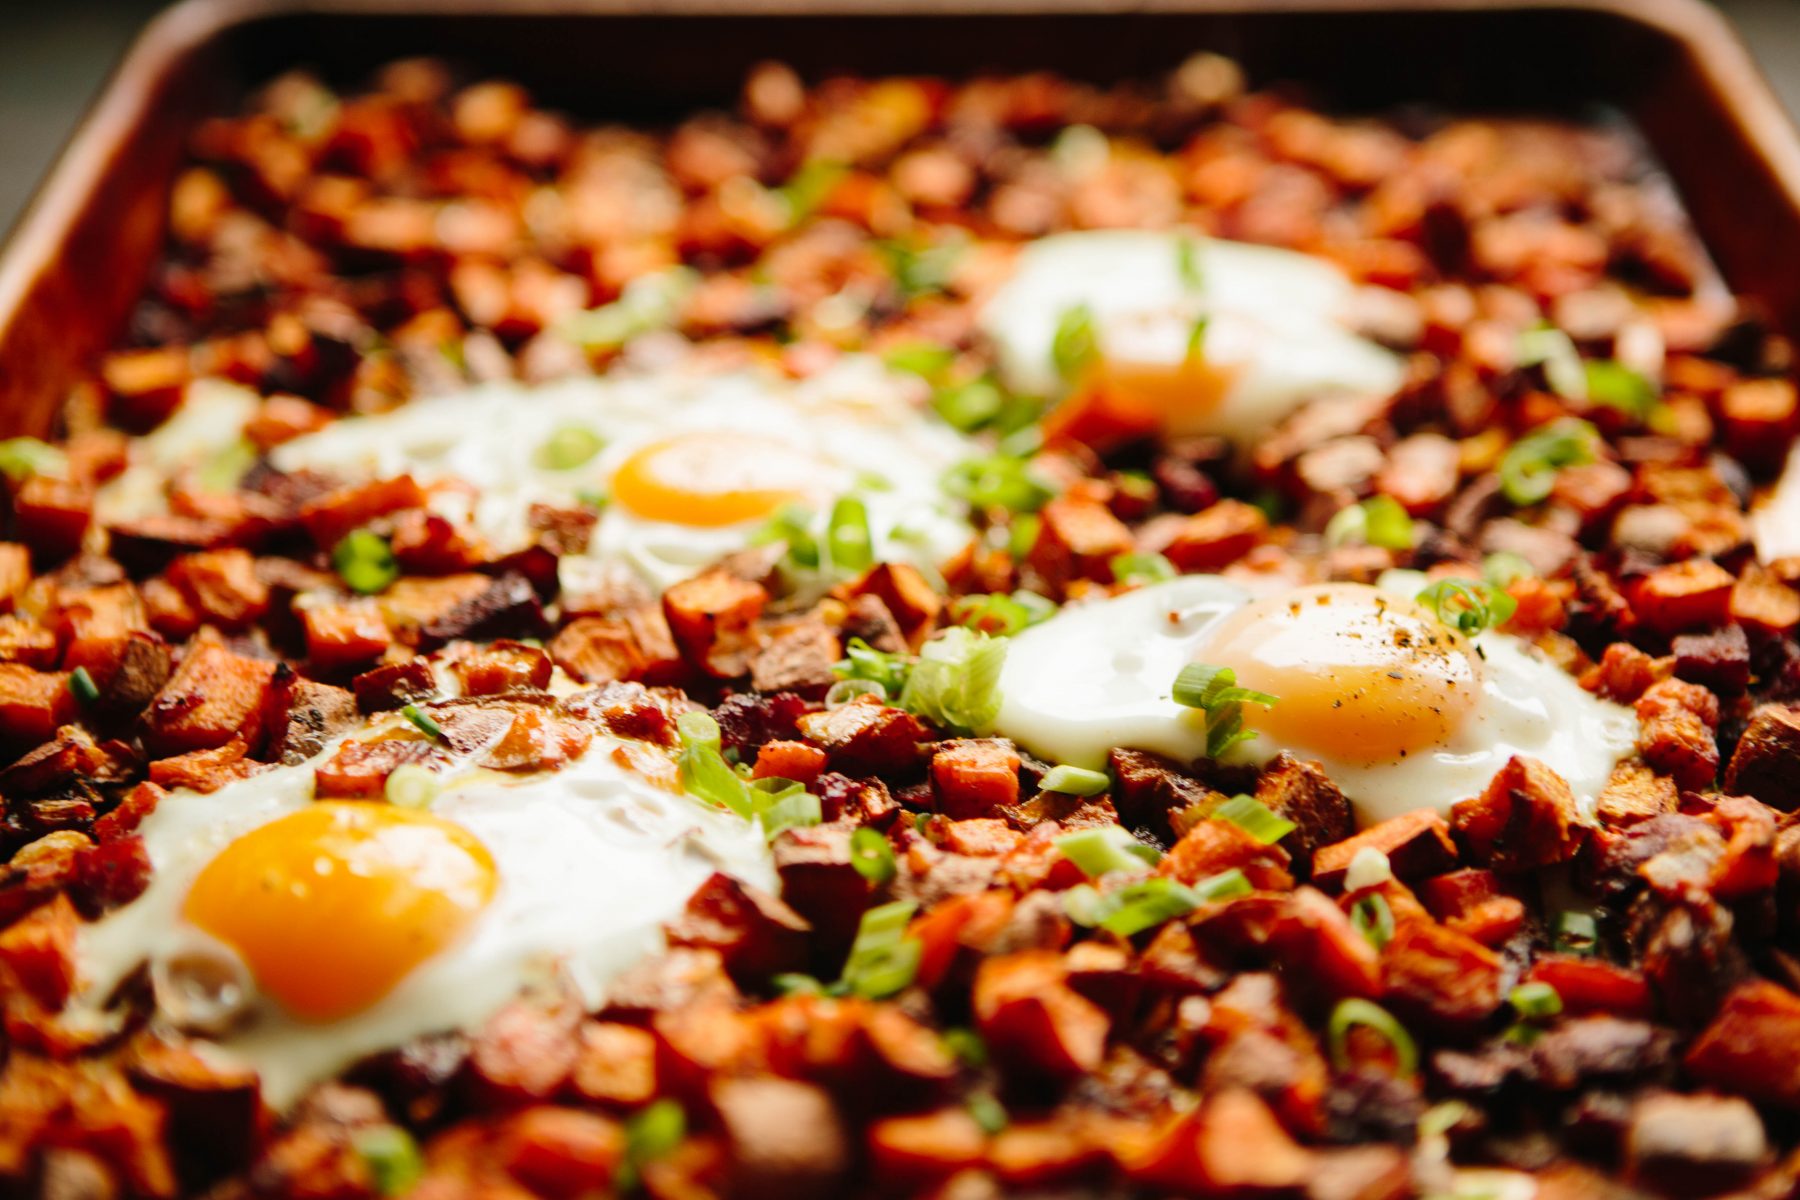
1274,315
1099,675
591,862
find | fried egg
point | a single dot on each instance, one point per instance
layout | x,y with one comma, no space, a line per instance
687,466
315,933
1273,336
1401,711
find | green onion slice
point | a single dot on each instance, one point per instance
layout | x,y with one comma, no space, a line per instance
1142,568
1529,466
23,457
1000,614
882,959
872,855
82,686
956,681
412,785
1468,607
988,1112
851,547
1004,481
1255,818
1377,521
1076,344
1577,933
1075,781
568,447
1104,849
421,720
1535,1001
1374,919
391,1157
1355,1012
365,562
1214,691
969,406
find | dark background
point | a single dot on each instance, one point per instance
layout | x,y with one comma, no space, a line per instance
55,55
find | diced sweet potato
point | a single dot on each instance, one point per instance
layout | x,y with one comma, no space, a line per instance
222,586
1470,901
214,696
712,618
38,953
1591,985
972,777
1240,1148
33,703
525,1052
282,419
786,1138
1217,537
359,769
1078,537
15,572
507,607
1441,975
1635,793
1417,844
206,770
344,633
1421,472
1676,721
1745,1049
616,1065
1685,595
1213,846
597,650
911,602
503,666
331,516
395,685
1624,673
27,643
755,934
1762,603
1524,818
145,385
561,1151
1307,928
52,515
1033,1020
1766,763
930,1145
789,760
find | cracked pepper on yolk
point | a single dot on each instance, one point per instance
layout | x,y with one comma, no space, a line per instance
1362,676
330,907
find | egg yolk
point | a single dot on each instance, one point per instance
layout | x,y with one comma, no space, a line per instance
716,478
331,906
1361,676
1120,400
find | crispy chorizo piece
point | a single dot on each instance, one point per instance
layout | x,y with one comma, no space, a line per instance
786,1138
110,874
1677,721
712,617
1151,787
359,769
1302,793
629,710
1417,844
597,650
412,602
137,804
1524,818
1032,1020
1718,659
329,517
1766,763
214,696
507,607
215,1115
394,685
870,619
755,934
51,516
148,544
972,777
818,880
798,657
70,755
525,1052
866,737
676,980
312,713
427,543
1694,1145
1599,1047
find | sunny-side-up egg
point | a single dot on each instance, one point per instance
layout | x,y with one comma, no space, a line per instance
691,465
1401,711
1193,335
332,930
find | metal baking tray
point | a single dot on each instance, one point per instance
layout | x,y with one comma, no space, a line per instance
75,264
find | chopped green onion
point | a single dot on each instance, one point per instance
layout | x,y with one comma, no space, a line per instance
882,959
1255,818
1371,1016
1000,614
411,785
1104,849
917,270
226,468
1076,344
593,498
1022,534
967,1046
1187,262
988,1112
1374,919
920,358
872,855
1577,933
793,983
391,1157
1503,568
648,302
1148,903
1535,1001
23,457
365,562
1226,885
852,549
1377,521
956,681
1440,1119
421,720
864,662
1214,691
1196,342
1554,350
971,405
1615,385
791,525
704,771
1075,781
1142,568
653,1132
1468,607
1529,466
82,686
810,186
569,447
998,481
783,804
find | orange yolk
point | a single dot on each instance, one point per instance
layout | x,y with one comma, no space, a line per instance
331,906
1121,400
714,478
1361,676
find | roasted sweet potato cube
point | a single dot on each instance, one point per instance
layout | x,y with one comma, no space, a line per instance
52,515
331,516
712,617
507,607
129,669
1440,975
1624,673
1634,793
206,770
359,769
168,611
427,543
1747,1049
1078,537
1216,537
911,601
214,696
1676,723
525,1052
1211,847
15,572
974,776
538,740
222,586
1762,603
561,1151
597,650
1470,901
1592,985
38,952
28,643
1524,818
1416,844
344,633
33,703
1421,472
1758,416
931,1145
786,1138
1685,595
1339,961
1241,1149
789,760
145,386
282,419
1033,1020
413,603
503,666
616,1065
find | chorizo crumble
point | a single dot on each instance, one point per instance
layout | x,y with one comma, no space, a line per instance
1600,1003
